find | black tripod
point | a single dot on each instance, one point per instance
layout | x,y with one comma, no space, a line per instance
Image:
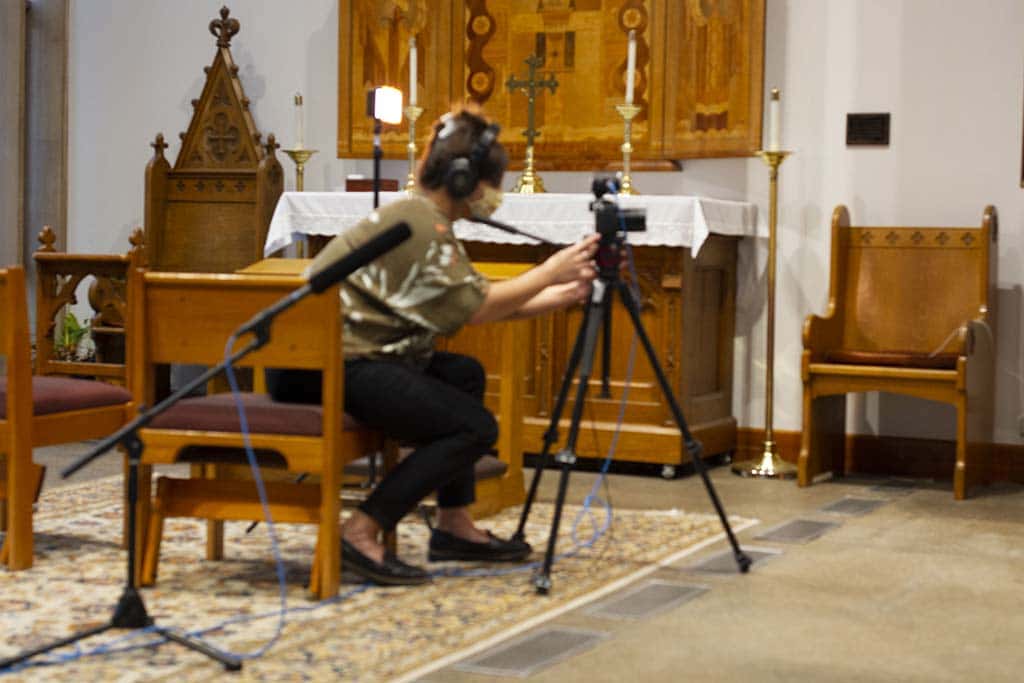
597,316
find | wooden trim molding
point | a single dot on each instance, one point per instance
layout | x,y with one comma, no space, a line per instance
891,455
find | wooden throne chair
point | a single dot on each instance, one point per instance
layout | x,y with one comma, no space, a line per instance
210,213
910,311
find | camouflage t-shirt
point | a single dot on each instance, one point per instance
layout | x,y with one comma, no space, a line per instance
395,306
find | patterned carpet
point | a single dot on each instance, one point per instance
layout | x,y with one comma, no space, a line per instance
370,634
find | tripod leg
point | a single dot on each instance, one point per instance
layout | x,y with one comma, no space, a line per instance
606,349
551,435
567,456
693,447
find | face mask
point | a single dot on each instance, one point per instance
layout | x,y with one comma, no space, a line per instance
487,203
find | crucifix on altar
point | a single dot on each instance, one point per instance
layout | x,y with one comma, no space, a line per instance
529,182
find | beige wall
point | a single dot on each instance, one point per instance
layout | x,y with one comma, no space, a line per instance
12,152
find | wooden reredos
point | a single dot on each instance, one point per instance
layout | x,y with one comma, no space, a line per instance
212,210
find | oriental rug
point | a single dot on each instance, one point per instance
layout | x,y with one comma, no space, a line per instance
367,634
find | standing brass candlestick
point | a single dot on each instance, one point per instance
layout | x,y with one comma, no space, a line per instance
412,112
769,465
627,112
300,156
529,182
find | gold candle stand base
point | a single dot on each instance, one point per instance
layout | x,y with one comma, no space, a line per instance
300,156
627,112
768,466
529,182
412,112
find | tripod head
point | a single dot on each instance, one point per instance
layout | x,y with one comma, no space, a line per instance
612,222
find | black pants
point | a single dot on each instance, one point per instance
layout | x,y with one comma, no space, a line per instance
439,409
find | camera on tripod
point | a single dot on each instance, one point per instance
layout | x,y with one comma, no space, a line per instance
609,217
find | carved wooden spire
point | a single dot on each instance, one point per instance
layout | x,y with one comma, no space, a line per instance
224,28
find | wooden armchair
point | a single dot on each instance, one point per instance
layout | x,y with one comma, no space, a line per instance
909,312
58,276
40,410
187,318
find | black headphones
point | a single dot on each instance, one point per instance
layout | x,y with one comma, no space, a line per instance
464,172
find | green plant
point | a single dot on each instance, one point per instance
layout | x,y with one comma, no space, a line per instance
71,334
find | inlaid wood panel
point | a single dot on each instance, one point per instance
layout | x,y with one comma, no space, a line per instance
698,78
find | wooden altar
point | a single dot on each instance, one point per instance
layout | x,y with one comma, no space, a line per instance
688,310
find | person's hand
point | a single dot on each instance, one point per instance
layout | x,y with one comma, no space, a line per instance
569,293
575,263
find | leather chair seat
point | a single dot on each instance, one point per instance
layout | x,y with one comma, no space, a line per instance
904,359
217,413
62,394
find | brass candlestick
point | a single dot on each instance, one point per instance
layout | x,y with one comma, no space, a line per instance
627,112
412,112
300,156
769,465
529,182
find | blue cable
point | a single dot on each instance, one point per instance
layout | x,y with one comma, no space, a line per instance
262,492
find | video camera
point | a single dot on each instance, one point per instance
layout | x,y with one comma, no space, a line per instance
610,219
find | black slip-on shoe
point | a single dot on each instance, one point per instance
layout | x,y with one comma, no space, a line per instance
445,547
391,572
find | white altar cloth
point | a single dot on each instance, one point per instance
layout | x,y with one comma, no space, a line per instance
674,221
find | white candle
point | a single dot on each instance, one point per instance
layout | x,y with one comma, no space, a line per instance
412,71
298,121
774,121
630,66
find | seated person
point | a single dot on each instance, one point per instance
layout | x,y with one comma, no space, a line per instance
397,383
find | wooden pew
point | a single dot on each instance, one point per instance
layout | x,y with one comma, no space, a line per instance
910,311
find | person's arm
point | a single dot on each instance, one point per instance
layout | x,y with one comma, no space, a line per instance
564,273
553,298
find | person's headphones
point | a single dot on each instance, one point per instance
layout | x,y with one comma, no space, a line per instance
464,171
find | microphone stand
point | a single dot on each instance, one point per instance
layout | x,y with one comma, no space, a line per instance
378,152
130,611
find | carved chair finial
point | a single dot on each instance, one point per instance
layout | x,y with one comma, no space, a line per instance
271,144
224,28
159,145
138,241
47,238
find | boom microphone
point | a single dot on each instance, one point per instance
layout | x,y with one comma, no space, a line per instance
507,228
359,257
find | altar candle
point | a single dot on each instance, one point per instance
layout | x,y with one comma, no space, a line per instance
774,121
630,66
412,71
298,121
